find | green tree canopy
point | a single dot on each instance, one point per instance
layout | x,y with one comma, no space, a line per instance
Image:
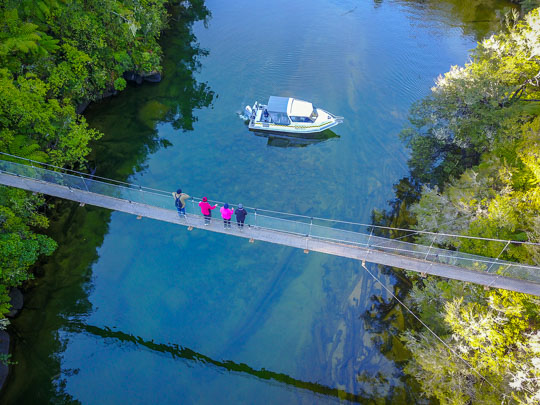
495,341
475,170
473,108
56,55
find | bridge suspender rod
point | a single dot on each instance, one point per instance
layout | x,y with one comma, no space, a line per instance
369,239
431,331
84,182
430,246
497,259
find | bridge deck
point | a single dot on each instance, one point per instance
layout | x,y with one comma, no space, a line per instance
308,243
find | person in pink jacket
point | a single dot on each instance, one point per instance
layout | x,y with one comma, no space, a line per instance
206,210
226,214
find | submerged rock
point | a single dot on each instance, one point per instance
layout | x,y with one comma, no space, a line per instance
152,112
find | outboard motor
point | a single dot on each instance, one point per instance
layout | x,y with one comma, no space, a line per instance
248,112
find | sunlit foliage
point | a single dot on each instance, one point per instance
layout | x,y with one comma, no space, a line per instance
475,145
494,337
474,108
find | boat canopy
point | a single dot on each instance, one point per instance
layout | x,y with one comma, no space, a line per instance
300,108
277,107
290,106
278,104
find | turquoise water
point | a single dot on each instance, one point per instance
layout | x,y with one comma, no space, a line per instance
137,311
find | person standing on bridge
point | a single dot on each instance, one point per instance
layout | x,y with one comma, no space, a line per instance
226,214
241,214
180,202
206,210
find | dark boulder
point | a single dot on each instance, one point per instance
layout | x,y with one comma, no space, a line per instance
81,107
4,349
152,77
133,77
16,301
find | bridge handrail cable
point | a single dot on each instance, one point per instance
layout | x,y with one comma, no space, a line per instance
159,192
132,193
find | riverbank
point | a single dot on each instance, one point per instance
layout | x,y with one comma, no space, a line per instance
66,85
484,183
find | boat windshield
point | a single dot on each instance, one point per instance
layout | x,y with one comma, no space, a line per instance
300,119
279,118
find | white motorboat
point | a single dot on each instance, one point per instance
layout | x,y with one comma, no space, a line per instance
290,115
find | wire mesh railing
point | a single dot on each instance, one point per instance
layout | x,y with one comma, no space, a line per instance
343,232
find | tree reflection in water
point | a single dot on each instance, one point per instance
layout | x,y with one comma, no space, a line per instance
61,290
186,353
477,19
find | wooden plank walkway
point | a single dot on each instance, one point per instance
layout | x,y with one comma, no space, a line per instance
252,233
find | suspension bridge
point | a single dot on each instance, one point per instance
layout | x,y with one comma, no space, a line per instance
339,238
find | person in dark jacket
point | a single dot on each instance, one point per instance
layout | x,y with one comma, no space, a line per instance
240,216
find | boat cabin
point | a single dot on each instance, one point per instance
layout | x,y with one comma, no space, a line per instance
283,110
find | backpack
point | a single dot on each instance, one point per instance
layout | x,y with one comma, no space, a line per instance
177,202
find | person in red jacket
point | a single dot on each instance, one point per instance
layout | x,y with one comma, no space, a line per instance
206,210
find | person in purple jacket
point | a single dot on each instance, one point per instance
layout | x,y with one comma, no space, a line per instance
226,214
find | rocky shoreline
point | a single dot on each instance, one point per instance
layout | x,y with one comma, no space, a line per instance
17,302
132,77
4,350
16,296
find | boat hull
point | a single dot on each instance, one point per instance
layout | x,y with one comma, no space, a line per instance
289,129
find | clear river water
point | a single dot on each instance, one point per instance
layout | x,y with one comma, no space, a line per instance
134,311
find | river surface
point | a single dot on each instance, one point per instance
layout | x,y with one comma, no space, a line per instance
137,311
